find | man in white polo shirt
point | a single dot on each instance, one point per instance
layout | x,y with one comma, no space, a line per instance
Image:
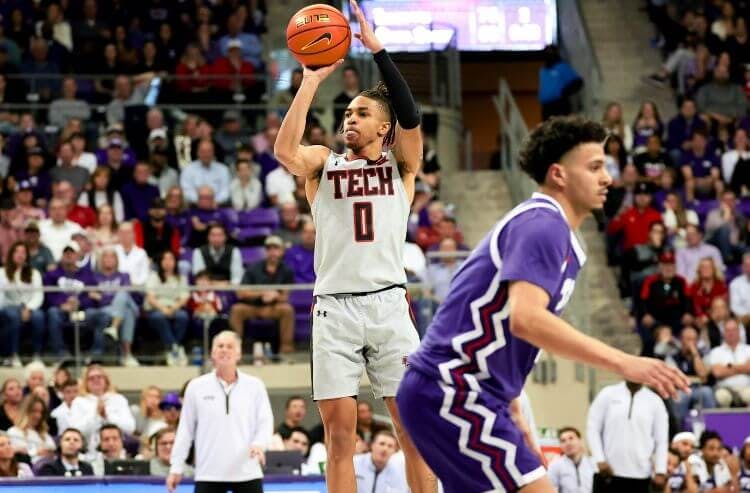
228,414
730,365
573,472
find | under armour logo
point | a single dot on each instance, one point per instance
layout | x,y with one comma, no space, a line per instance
324,313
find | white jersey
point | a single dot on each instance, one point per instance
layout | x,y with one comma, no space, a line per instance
360,213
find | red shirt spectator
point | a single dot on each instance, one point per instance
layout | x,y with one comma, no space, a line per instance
707,286
428,236
635,222
192,71
85,216
664,297
238,72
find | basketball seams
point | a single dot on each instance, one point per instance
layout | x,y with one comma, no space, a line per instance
329,48
317,27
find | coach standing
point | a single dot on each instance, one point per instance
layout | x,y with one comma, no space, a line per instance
228,414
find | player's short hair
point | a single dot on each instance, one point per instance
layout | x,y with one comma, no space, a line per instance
566,429
550,141
709,435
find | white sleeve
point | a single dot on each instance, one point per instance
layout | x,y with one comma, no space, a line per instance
188,189
36,298
118,207
735,304
17,438
118,412
198,263
222,194
84,417
263,418
661,436
236,270
185,433
142,270
595,426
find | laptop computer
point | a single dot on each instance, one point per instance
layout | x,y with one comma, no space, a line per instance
284,462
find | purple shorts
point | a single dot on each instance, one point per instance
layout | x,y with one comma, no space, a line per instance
466,437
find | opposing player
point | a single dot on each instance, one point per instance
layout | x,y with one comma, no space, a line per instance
360,204
459,397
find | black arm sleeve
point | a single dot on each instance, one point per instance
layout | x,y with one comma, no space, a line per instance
402,100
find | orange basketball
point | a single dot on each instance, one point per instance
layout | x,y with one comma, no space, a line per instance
318,35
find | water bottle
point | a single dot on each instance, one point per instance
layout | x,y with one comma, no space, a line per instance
258,353
697,422
197,356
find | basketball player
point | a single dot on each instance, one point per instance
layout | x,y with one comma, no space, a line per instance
459,396
360,205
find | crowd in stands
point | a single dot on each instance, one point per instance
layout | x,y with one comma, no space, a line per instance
676,216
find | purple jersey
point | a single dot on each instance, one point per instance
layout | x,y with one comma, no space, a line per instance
469,343
115,280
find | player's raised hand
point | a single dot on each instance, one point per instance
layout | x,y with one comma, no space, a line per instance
365,34
664,379
319,74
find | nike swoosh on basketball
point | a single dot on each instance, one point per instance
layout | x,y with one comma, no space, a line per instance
324,36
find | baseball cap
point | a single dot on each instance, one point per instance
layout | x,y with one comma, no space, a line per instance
274,240
24,185
72,245
115,143
170,399
157,133
684,435
234,43
32,226
667,257
642,188
231,115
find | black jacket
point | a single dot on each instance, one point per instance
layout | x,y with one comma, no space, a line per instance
57,468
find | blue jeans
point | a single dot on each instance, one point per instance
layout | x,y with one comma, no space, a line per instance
702,395
124,308
96,320
11,316
170,333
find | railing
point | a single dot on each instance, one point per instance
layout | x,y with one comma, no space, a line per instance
577,49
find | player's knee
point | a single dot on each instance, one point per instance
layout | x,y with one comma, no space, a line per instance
339,444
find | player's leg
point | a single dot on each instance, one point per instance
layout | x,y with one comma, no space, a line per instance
340,427
418,474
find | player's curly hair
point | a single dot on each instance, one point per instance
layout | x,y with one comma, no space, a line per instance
552,139
380,94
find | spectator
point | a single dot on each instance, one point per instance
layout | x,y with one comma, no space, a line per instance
81,157
102,192
679,474
233,75
205,172
117,307
67,171
680,130
231,134
734,164
627,431
177,215
677,218
191,75
647,123
294,414
281,101
713,334
148,416
10,409
249,44
23,212
131,258
10,467
280,186
156,235
57,229
111,447
300,258
643,260
730,365
126,95
375,471
204,303
36,174
247,412
162,175
701,168
621,194
104,232
652,162
664,300
62,110
558,81
690,361
68,463
725,226
290,229
721,100
222,261
166,307
439,274
573,471
245,189
171,406
40,68
61,413
299,440
31,435
690,256
40,257
614,123
20,307
367,425
267,305
708,467
709,284
118,162
739,292
62,305
352,88
204,213
84,216
98,404
140,192
162,441
634,222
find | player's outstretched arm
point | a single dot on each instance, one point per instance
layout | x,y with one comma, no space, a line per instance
531,321
298,159
408,144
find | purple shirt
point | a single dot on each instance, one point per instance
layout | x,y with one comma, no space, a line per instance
701,165
470,332
301,261
112,281
196,239
74,280
137,199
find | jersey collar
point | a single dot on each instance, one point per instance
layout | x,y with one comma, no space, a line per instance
577,247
